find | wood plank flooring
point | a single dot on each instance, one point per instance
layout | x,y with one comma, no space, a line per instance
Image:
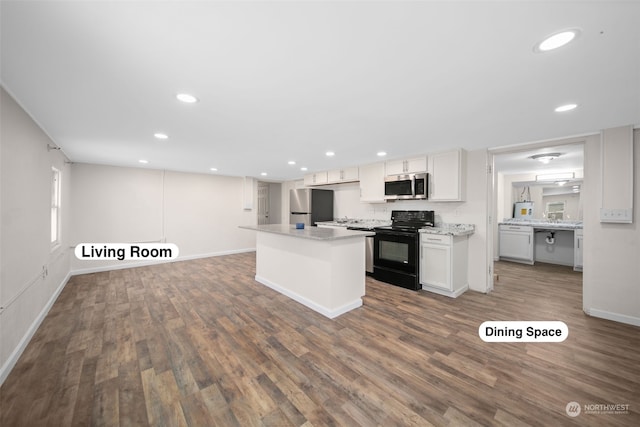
200,343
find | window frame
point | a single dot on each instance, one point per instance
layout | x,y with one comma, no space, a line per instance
55,228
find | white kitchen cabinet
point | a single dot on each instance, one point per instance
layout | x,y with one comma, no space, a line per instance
318,178
248,191
446,176
342,175
372,183
413,165
516,243
578,242
443,264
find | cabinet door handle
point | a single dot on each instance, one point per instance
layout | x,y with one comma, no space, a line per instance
529,239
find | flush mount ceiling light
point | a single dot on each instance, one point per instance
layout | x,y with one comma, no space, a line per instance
556,40
188,98
566,107
555,176
160,135
545,157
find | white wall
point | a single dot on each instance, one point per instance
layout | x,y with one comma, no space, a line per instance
31,272
197,212
611,274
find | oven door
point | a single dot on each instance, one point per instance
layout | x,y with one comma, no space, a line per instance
396,251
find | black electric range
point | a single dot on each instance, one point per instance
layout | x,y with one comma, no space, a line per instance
397,248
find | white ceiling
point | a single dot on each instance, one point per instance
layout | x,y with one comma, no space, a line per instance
280,81
571,159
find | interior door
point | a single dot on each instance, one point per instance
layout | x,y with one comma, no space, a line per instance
263,203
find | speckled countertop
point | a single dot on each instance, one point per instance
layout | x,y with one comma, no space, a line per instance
538,224
450,229
312,233
354,222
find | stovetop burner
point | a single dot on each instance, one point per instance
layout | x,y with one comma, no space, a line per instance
409,221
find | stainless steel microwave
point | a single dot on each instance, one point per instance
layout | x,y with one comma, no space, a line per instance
406,187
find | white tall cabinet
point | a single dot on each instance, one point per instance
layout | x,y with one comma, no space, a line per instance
443,263
446,176
372,183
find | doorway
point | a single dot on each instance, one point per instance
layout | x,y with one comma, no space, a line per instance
516,171
268,204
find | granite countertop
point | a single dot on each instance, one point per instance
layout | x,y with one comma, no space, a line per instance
312,233
355,222
566,225
450,229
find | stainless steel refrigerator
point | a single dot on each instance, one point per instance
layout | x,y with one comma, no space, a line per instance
310,206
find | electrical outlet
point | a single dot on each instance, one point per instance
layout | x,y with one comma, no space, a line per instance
616,215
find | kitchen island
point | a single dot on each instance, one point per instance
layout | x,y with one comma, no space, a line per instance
321,268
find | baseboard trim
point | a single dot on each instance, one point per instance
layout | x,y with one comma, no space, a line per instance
616,317
327,312
17,352
112,267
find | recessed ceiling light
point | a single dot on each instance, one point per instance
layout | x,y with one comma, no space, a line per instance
566,107
188,98
213,169
143,161
291,162
160,135
303,169
330,154
382,153
263,174
556,40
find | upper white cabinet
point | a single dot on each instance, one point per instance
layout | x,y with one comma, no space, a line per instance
342,175
318,178
413,165
372,183
248,190
446,176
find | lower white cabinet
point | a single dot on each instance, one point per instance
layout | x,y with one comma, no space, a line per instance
443,264
516,243
578,242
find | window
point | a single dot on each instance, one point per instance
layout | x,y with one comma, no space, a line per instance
555,210
55,207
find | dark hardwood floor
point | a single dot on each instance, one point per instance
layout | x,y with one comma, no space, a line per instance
201,343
